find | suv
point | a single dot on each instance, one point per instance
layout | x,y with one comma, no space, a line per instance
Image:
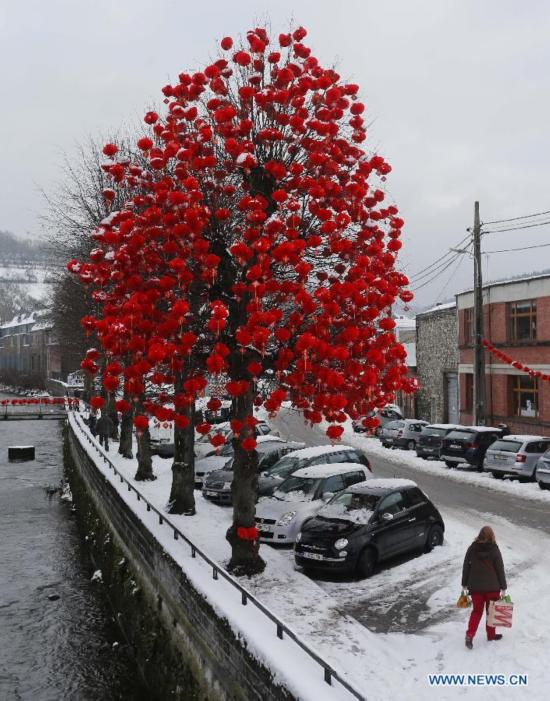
430,439
270,479
390,412
542,471
300,496
217,484
468,444
515,455
402,434
367,523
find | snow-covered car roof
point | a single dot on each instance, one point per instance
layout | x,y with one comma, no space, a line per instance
524,437
444,426
326,470
316,450
380,484
413,421
478,429
269,437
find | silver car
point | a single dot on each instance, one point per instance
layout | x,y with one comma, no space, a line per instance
515,455
402,434
542,471
279,518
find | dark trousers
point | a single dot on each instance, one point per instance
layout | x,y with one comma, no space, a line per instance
480,601
104,440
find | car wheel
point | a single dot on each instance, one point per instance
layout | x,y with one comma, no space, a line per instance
448,463
367,563
544,485
435,538
411,445
498,475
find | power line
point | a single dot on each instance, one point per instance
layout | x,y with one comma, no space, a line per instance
517,228
450,278
525,216
521,248
427,269
432,279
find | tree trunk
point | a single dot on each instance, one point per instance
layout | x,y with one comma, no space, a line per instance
245,553
113,415
125,445
145,459
88,387
182,496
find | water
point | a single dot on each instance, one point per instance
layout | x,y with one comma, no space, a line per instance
51,650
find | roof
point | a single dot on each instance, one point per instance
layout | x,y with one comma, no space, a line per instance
447,306
525,437
317,450
479,429
413,421
326,470
444,426
404,322
508,281
270,437
382,485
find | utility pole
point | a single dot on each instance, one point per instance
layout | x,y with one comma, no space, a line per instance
479,358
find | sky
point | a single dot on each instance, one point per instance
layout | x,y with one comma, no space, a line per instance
456,93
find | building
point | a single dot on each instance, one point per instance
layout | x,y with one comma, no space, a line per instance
405,333
28,350
516,320
437,364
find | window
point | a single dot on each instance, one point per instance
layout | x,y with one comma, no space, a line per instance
525,396
468,400
523,320
353,477
537,447
414,496
392,504
333,484
468,326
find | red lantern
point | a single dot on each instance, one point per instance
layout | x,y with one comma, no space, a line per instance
97,402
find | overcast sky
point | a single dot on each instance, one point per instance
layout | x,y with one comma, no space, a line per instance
457,90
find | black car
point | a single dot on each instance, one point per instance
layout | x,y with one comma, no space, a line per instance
367,523
270,479
217,484
430,439
468,444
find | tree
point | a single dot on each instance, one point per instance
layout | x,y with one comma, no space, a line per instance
257,184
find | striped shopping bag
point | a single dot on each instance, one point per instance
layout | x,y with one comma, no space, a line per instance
500,613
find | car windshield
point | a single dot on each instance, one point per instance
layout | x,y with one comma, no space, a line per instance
349,506
297,489
284,467
506,446
431,431
461,435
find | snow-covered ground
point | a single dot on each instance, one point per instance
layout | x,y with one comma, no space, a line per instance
388,633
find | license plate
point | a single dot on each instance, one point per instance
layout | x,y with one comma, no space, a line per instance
266,529
455,446
429,450
211,494
312,556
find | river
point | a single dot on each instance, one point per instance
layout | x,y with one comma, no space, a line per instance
51,649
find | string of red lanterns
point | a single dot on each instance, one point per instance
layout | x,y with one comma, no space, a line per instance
514,363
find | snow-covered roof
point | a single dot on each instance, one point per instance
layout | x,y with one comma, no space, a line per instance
444,426
269,437
404,322
410,349
524,437
326,470
508,281
477,428
317,450
19,320
439,308
378,483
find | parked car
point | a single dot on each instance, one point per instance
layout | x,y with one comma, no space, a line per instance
430,439
402,434
217,484
270,479
515,455
218,461
542,471
367,523
391,412
279,518
468,444
203,447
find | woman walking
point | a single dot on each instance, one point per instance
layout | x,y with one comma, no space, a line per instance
483,576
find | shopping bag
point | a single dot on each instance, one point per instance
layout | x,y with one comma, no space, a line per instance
463,601
500,613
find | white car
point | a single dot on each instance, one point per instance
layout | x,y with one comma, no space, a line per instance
217,462
279,518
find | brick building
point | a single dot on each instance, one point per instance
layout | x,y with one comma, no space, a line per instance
437,364
516,319
28,349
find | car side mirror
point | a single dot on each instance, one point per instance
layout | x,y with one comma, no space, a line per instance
327,496
386,516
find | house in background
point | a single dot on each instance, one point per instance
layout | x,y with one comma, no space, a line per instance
516,320
405,333
437,364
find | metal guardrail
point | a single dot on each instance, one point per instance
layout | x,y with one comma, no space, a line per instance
281,628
